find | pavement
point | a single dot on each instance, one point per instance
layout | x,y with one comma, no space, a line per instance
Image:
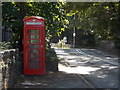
51,80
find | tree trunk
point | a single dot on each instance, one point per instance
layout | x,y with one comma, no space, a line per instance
22,12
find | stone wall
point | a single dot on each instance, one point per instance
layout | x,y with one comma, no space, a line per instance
108,46
8,60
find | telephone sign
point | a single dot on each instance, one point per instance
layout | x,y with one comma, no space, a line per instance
33,23
34,46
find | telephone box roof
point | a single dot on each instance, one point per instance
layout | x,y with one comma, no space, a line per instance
33,17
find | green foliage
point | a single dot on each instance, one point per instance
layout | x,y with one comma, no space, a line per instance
54,16
12,18
98,18
51,60
51,55
4,45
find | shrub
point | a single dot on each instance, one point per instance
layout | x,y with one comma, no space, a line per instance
4,45
51,60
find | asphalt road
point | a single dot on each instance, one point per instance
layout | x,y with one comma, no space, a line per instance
99,68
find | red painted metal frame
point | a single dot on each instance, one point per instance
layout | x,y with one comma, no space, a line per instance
42,69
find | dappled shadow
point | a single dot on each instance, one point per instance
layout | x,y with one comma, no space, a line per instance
97,68
51,80
101,74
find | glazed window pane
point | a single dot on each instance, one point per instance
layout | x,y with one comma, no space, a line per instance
34,36
34,31
34,61
34,56
34,66
34,51
33,41
33,46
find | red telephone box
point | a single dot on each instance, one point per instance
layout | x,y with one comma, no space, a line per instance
34,46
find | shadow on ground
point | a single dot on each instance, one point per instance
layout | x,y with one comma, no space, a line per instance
51,80
96,67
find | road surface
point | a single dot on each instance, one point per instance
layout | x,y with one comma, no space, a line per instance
97,67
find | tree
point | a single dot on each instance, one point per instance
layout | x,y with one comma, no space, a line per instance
51,11
100,19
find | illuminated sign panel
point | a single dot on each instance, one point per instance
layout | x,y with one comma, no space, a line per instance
33,23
